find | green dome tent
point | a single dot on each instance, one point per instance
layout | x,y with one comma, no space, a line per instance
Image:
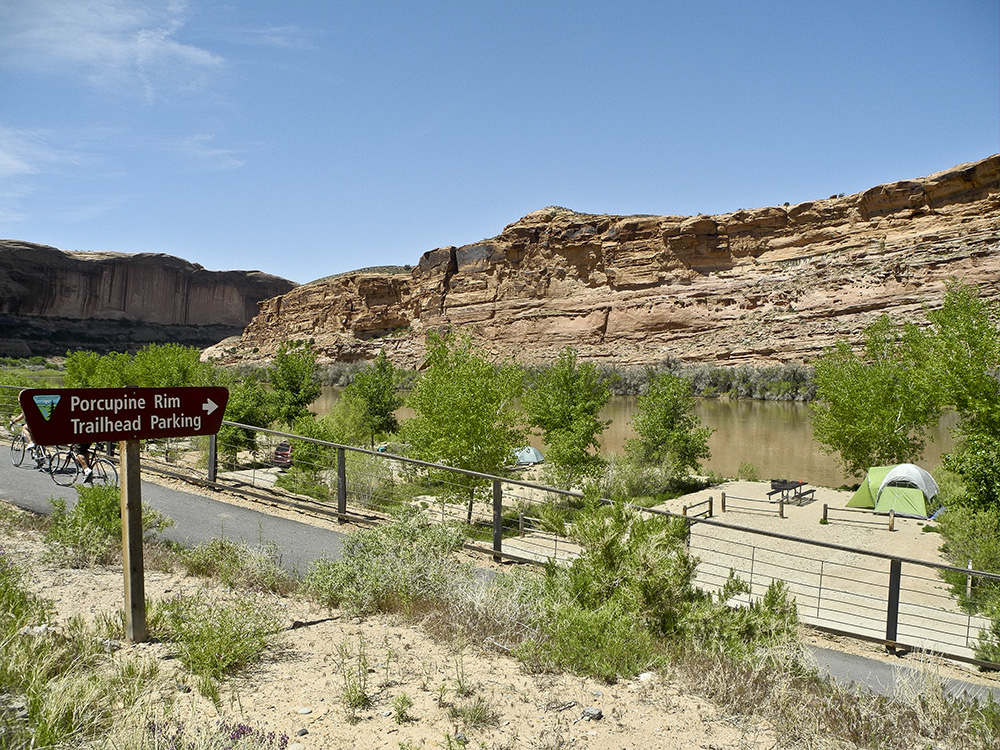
904,489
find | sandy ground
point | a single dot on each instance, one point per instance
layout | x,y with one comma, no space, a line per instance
467,691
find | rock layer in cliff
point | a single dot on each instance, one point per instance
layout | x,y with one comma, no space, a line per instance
752,286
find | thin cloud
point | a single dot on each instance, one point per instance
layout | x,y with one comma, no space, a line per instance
25,153
200,148
124,45
287,36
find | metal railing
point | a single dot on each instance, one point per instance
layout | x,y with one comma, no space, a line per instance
900,602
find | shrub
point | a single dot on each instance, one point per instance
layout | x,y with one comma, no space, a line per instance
388,568
91,532
215,637
239,565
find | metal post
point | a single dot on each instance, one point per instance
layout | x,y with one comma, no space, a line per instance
819,591
497,520
825,519
892,606
131,502
213,457
723,506
341,485
781,506
709,506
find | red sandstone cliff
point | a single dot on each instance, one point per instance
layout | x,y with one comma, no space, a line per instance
51,300
761,285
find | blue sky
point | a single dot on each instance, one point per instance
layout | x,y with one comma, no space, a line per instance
306,138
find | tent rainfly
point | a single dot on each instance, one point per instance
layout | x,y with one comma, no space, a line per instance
904,489
528,455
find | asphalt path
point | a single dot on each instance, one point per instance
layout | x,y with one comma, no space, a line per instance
196,518
199,519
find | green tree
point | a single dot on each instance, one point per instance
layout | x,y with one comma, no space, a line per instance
294,380
92,370
966,354
463,412
154,366
169,365
376,392
965,348
250,403
670,434
564,401
875,407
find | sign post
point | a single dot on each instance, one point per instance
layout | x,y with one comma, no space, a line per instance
125,415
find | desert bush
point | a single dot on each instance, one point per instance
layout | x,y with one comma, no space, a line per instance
174,733
749,472
59,687
214,636
90,533
390,568
240,565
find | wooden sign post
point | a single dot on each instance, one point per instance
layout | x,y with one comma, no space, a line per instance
126,416
135,586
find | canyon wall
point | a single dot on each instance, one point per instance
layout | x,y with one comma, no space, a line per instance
52,301
756,286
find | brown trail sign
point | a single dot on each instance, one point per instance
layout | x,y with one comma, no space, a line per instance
127,415
92,415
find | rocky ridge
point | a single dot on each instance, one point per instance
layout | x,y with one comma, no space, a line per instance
52,300
758,286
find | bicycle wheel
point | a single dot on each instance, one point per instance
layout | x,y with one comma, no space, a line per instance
41,455
63,468
17,450
104,472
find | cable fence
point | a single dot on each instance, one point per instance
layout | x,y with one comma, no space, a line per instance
903,603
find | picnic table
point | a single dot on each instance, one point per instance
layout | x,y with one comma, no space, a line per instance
790,489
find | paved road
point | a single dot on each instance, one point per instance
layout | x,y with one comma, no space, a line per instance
196,518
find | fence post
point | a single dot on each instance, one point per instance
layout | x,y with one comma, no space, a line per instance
723,507
497,520
819,589
781,506
968,583
892,606
341,485
213,457
709,506
825,519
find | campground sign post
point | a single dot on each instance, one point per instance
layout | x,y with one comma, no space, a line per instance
124,415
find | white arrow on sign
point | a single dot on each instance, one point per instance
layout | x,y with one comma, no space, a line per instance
209,406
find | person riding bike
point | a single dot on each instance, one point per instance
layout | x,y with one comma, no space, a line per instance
29,442
82,451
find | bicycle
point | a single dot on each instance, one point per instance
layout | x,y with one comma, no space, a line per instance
19,449
65,468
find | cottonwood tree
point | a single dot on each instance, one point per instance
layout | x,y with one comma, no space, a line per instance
670,434
876,407
965,340
564,401
464,412
294,380
375,389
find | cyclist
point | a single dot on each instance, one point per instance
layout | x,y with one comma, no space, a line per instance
82,451
29,443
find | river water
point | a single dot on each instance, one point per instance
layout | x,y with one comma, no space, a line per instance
773,436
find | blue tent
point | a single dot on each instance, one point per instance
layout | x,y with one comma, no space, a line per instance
527,455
